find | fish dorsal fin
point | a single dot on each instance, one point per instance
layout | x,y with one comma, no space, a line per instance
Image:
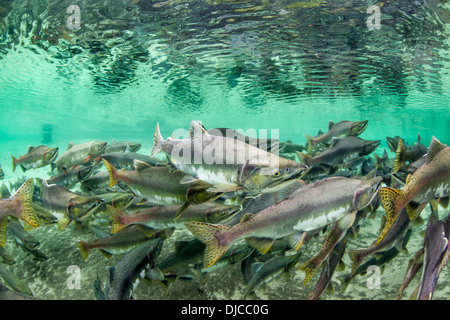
30,148
70,145
197,128
113,141
435,147
330,124
296,240
418,138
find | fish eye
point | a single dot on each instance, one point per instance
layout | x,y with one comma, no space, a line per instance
276,173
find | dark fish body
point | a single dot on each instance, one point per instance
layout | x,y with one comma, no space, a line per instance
264,144
122,146
414,266
269,270
99,180
120,242
71,177
343,151
126,274
396,233
410,155
337,130
186,255
329,267
159,185
21,236
290,147
161,217
36,157
13,282
436,250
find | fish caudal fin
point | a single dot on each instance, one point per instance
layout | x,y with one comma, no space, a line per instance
157,138
388,197
310,142
84,250
210,235
356,257
305,159
25,194
112,173
117,217
310,267
399,156
14,163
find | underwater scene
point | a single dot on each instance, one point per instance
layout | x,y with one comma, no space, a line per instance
224,150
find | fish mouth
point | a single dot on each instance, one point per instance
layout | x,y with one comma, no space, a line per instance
358,127
54,154
370,147
279,184
392,143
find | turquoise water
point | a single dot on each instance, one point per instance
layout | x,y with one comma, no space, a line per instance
287,65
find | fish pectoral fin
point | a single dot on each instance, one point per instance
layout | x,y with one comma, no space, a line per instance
414,209
296,240
140,165
187,179
63,223
105,253
261,244
222,187
181,210
444,202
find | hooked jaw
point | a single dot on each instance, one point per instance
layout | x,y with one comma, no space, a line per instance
358,127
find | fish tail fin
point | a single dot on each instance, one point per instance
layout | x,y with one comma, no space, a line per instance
304,158
310,142
345,281
14,163
157,138
84,250
211,236
388,197
399,156
310,267
25,194
117,217
112,173
356,257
